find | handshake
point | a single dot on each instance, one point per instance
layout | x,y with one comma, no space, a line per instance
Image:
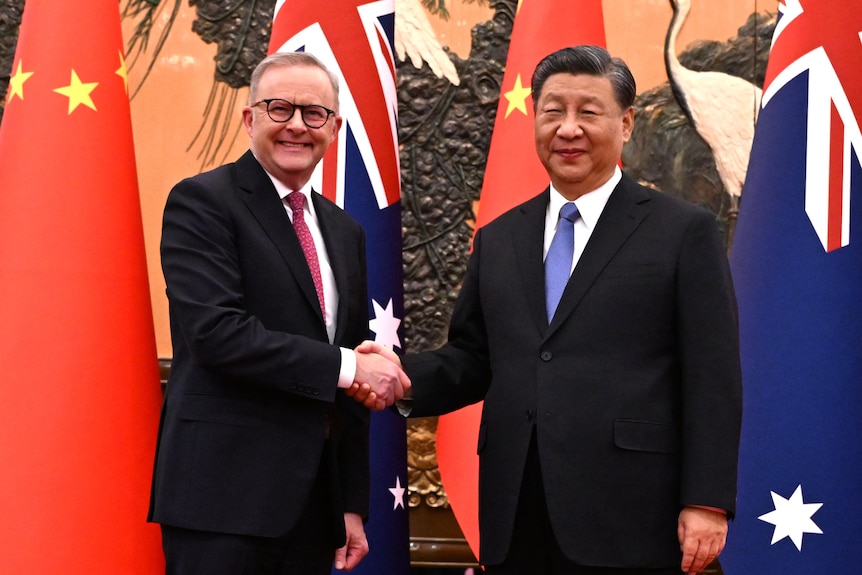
379,381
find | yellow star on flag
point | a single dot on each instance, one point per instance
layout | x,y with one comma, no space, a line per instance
16,82
122,72
78,93
517,97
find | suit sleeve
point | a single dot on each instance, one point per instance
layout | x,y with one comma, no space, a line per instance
210,300
457,374
710,366
353,448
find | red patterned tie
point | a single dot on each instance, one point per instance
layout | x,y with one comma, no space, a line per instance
295,200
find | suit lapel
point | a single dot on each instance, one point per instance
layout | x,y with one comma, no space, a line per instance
627,207
266,207
529,241
327,212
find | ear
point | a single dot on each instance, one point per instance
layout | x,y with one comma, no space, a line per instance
248,119
628,120
336,126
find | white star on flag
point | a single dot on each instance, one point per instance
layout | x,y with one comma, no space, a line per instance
385,325
398,493
792,517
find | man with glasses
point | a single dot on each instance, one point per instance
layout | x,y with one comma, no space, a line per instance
262,461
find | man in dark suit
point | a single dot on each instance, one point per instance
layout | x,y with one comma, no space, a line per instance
262,461
609,434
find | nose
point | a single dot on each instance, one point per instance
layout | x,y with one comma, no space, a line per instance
570,127
295,122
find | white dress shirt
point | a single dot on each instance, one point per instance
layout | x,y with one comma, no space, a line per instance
590,207
330,290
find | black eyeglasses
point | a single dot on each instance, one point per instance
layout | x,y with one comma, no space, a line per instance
281,111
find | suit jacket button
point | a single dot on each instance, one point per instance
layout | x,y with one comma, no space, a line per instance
546,355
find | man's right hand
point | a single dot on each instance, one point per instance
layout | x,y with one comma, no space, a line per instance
379,381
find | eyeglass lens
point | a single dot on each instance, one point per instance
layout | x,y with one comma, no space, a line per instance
313,116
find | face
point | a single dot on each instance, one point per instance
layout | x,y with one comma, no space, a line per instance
291,150
580,131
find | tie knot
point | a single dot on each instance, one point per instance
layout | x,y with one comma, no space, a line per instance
569,211
295,200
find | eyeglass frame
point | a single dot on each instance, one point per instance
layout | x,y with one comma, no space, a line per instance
301,107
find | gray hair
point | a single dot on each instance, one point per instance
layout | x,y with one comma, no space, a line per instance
286,60
591,60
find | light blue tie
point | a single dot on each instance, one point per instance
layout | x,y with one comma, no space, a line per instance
558,263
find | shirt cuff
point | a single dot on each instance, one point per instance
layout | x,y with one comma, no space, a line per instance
348,368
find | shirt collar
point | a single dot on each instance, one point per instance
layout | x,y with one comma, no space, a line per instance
591,204
283,191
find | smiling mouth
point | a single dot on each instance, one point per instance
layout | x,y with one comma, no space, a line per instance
570,152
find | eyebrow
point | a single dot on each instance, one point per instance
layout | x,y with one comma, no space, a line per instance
554,96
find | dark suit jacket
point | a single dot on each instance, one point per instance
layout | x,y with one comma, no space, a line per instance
634,390
252,391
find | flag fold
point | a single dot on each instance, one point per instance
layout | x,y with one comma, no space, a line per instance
797,265
80,395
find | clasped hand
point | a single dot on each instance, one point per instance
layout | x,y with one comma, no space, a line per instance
380,381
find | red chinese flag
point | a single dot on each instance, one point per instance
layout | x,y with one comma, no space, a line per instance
79,397
513,174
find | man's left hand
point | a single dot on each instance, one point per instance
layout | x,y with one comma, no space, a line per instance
702,533
356,547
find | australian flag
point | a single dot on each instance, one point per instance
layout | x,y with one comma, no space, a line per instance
360,172
797,265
